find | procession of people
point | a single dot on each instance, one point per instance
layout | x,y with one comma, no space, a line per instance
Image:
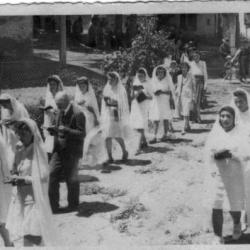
77,130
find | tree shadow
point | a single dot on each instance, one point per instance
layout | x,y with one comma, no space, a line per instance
135,162
108,168
198,131
161,150
87,178
208,121
86,209
178,140
244,239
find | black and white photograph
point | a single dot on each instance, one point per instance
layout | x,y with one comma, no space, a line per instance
125,129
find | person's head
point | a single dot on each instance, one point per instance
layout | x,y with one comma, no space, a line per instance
54,82
240,100
227,118
113,79
184,68
62,100
228,58
161,73
83,84
196,56
24,133
141,75
173,65
225,40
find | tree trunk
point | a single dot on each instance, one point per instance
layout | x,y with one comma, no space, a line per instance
63,41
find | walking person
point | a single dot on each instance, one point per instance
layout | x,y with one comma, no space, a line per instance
54,85
141,99
227,153
11,110
30,214
199,71
185,94
115,114
5,193
162,93
69,135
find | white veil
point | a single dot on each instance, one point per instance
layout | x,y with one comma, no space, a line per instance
40,179
123,112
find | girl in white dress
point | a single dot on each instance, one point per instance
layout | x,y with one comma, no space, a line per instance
142,96
5,193
93,144
185,94
227,153
54,85
160,110
11,110
30,214
115,114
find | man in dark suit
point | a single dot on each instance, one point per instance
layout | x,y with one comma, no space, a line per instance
69,135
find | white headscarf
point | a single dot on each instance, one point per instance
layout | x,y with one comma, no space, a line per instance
40,179
242,117
165,83
19,111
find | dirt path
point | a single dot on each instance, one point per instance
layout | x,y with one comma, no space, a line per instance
154,199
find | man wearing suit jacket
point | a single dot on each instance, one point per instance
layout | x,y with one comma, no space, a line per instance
69,135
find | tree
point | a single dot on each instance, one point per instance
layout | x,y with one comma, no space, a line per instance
148,49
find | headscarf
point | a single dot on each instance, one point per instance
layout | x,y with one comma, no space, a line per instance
19,111
242,117
40,180
146,84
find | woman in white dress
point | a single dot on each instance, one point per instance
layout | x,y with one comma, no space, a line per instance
227,153
199,71
5,193
30,214
115,114
141,99
11,110
160,110
185,94
93,144
54,85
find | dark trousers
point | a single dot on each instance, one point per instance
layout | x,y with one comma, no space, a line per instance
243,70
66,164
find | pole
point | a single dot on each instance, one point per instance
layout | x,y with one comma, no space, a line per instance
63,41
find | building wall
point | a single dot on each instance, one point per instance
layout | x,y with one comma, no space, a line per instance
206,24
16,34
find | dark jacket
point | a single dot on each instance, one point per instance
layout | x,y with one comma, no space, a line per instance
72,140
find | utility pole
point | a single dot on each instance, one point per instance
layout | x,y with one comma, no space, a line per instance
63,41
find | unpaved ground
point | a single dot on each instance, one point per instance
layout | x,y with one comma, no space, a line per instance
154,199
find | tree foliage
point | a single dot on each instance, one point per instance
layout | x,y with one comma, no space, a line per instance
148,49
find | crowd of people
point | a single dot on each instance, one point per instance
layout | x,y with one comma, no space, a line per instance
76,130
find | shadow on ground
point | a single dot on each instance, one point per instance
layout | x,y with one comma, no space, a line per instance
152,149
87,178
86,209
244,239
135,162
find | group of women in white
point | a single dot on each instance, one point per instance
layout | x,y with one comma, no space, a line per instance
227,155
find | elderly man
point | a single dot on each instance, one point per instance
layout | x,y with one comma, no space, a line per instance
69,132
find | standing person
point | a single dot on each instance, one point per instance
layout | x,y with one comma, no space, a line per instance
85,97
227,151
11,110
115,114
30,214
142,94
69,136
242,55
185,94
54,85
224,48
162,92
240,102
5,193
199,71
